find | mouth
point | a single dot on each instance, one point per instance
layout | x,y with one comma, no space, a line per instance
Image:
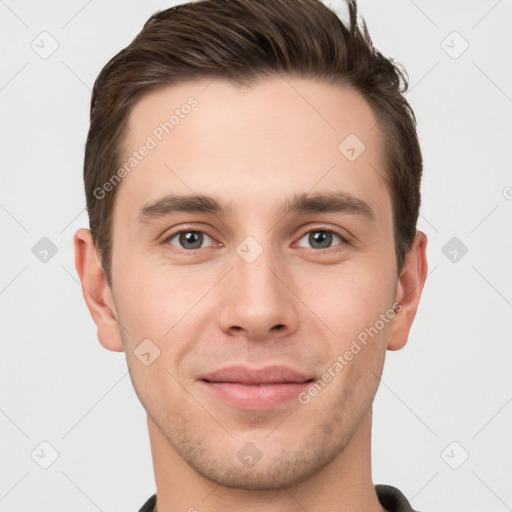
255,389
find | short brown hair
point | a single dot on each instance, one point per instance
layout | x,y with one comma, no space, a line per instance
241,41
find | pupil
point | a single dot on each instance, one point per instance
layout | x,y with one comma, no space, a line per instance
188,238
321,237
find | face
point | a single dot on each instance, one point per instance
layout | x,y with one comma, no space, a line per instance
274,276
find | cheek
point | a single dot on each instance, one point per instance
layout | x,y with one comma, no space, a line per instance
361,318
154,317
171,308
352,300
151,301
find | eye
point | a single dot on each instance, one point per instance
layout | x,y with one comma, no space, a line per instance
192,240
322,238
188,239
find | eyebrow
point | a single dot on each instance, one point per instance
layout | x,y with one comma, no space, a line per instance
322,202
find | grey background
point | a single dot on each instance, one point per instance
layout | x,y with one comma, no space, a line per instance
450,384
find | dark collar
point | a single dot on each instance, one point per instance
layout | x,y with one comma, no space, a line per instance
389,497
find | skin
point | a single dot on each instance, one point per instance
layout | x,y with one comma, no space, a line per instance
208,307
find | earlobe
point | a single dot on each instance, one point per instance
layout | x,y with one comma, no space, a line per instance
96,292
410,285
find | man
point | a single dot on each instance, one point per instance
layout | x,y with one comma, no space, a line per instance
252,174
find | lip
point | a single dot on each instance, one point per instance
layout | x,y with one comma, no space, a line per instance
255,389
246,375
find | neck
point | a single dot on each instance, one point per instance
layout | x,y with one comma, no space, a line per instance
343,484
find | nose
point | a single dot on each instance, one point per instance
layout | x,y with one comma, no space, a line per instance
257,301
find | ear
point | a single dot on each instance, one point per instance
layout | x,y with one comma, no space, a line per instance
408,292
96,292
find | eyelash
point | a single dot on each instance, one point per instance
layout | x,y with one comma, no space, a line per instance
336,232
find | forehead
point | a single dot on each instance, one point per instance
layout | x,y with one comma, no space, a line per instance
253,145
